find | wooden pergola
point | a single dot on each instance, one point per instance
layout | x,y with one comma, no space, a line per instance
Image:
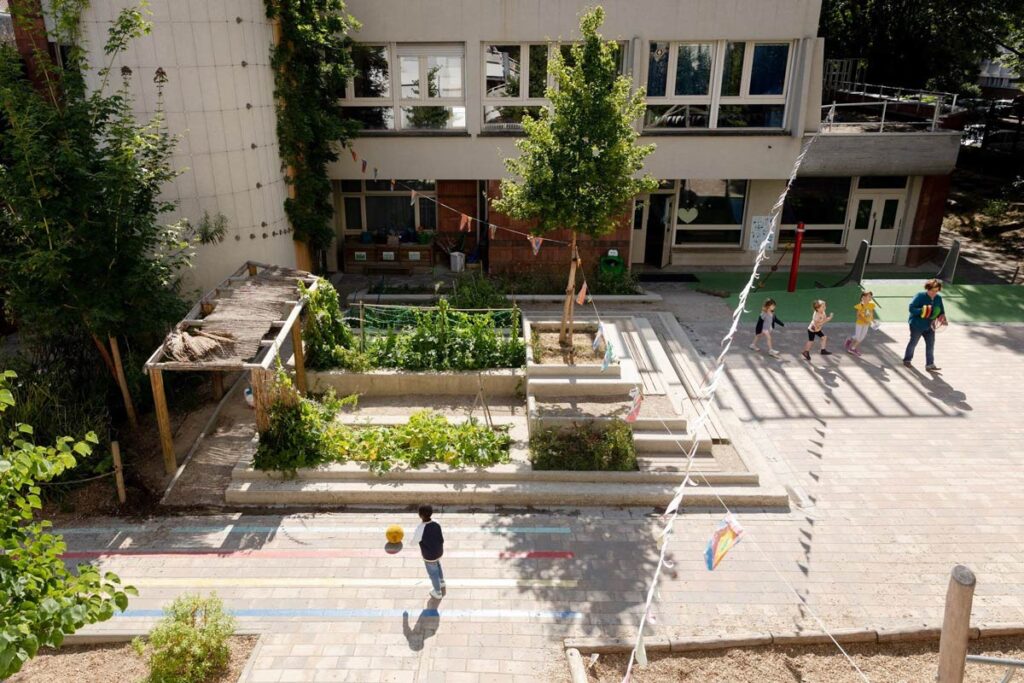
257,307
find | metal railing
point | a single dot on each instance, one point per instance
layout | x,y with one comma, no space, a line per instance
1011,665
829,116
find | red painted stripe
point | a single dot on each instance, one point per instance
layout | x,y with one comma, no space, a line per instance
330,552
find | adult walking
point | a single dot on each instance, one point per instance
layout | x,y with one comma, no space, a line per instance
926,311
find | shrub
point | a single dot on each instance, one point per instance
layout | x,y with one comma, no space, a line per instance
189,645
325,330
305,434
617,283
478,291
583,448
996,208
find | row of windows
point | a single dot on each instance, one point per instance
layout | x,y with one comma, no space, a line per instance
719,84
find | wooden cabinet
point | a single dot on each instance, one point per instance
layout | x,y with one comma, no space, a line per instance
378,258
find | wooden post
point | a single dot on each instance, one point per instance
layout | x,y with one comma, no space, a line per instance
218,384
260,397
362,328
565,335
956,625
163,420
300,356
123,383
115,451
252,269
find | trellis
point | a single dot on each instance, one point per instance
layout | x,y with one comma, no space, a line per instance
243,322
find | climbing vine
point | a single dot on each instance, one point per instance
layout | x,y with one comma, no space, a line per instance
312,62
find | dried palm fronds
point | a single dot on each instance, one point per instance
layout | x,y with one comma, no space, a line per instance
195,344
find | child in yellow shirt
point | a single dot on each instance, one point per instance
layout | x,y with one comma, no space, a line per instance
865,320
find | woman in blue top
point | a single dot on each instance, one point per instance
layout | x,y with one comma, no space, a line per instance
925,310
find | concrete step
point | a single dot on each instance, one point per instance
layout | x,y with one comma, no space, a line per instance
614,370
307,493
656,413
675,443
544,387
676,424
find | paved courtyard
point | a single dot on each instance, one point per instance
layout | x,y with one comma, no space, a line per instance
901,475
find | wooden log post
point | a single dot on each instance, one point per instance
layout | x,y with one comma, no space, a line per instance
122,383
956,625
259,380
217,379
163,420
300,356
252,269
115,451
565,333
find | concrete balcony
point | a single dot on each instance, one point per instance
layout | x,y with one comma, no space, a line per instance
852,151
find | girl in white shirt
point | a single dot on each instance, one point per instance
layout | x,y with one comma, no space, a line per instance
816,329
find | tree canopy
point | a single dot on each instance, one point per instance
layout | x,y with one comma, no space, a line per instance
922,43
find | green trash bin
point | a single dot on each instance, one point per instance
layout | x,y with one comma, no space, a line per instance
612,265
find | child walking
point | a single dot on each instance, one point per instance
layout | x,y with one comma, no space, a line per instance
428,535
765,325
816,329
865,319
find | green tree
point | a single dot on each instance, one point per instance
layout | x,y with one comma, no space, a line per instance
916,44
312,62
85,254
42,601
578,163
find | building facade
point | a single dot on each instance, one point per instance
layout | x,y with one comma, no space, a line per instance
734,92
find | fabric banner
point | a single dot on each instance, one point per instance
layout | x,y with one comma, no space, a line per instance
726,536
494,230
581,298
364,166
609,356
638,400
535,242
392,184
375,173
412,201
463,223
599,337
352,151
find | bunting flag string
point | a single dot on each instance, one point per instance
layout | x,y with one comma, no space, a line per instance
412,200
463,223
581,298
352,151
535,242
392,184
638,400
599,336
374,172
724,539
364,166
493,229
609,355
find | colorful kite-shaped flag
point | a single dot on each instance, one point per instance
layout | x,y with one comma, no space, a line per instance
638,400
463,223
582,296
374,172
392,184
412,201
364,166
535,242
609,356
599,336
728,534
352,151
494,230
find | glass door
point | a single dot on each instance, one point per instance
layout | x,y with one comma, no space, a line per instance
658,242
877,218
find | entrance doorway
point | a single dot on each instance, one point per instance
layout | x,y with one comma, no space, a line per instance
877,218
652,228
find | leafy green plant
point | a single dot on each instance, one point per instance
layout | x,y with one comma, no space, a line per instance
584,448
42,601
478,291
577,164
609,282
190,644
996,208
329,342
312,62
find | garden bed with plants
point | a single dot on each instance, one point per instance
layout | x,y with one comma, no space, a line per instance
585,448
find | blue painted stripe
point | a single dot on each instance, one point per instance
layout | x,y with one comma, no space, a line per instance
562,615
244,529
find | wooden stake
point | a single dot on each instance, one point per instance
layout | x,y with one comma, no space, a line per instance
218,384
362,328
163,420
123,383
115,450
956,625
258,380
252,269
565,334
300,356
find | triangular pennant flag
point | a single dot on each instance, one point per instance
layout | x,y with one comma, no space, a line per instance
727,535
392,184
535,242
463,223
638,399
412,201
355,157
494,230
599,337
364,165
375,173
609,356
582,296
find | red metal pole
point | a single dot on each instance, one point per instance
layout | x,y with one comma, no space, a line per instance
795,267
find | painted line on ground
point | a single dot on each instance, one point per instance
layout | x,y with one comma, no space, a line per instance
296,530
320,614
342,582
258,553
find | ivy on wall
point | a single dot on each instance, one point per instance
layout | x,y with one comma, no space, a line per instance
312,62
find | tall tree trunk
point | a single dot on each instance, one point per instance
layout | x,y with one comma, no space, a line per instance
565,334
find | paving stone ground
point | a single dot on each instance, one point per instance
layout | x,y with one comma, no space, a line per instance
904,474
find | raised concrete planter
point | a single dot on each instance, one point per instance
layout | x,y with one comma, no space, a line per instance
365,296
563,370
503,382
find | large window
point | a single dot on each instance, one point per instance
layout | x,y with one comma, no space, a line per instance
425,92
516,80
723,84
710,211
372,206
820,204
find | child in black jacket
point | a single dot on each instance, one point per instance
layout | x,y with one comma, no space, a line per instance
428,535
766,323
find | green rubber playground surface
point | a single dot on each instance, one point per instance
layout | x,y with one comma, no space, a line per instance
964,303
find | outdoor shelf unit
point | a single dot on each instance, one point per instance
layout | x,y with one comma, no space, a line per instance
259,305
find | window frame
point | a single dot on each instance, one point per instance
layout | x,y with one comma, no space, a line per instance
340,195
395,99
741,227
714,100
824,227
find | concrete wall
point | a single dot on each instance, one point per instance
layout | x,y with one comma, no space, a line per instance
883,154
224,114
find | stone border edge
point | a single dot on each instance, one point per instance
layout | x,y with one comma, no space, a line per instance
866,635
364,296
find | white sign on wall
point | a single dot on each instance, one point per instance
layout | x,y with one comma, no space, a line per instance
760,226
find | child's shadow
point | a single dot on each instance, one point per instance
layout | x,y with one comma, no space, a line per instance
427,623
